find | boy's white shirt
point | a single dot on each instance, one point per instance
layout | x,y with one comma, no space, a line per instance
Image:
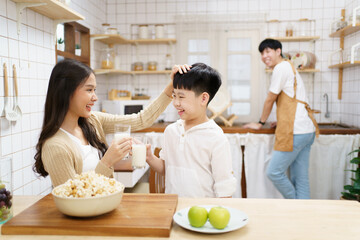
197,161
283,80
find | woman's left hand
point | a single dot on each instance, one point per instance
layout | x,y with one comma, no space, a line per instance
176,68
179,68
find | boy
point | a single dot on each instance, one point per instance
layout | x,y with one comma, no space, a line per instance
195,158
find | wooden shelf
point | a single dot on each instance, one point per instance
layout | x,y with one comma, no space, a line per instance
345,31
299,70
72,56
297,39
118,71
53,9
118,39
345,65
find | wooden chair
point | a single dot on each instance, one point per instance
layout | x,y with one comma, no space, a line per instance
219,104
156,180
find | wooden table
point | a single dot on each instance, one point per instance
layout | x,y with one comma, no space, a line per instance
268,219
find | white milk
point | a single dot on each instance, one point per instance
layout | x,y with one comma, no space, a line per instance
138,155
120,135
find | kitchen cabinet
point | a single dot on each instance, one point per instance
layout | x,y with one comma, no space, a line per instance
72,31
342,33
112,39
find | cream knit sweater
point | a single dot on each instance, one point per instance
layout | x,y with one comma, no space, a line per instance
62,158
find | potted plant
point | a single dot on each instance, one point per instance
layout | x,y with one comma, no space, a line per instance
77,50
352,192
60,44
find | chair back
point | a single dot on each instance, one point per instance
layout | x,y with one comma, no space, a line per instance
156,180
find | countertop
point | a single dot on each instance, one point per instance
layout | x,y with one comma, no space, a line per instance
268,219
325,128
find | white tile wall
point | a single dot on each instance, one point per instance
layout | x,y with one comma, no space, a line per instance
33,53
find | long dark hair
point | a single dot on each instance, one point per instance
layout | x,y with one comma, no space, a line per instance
66,76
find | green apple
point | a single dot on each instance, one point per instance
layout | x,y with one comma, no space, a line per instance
197,216
219,217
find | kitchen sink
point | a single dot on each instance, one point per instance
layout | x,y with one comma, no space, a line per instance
333,126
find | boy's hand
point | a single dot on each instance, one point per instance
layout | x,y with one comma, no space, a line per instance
149,153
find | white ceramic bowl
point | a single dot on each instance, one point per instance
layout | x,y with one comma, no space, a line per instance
88,207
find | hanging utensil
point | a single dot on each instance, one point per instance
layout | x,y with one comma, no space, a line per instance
10,114
16,105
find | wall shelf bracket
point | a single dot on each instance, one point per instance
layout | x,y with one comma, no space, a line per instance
19,11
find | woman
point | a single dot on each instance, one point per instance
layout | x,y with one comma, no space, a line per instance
72,139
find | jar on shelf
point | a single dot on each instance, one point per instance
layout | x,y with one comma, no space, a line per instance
143,31
105,27
289,32
273,28
137,66
159,31
112,30
304,27
107,58
168,62
151,66
6,194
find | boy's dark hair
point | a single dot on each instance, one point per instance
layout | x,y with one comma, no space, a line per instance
201,78
270,43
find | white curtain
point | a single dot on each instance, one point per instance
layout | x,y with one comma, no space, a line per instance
258,150
328,160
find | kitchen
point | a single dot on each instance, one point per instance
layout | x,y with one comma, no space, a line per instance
33,51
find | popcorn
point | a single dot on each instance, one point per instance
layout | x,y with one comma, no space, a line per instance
88,184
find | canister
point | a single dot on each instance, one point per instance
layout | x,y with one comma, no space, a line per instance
105,27
138,66
159,31
273,28
107,58
151,66
143,32
305,27
112,30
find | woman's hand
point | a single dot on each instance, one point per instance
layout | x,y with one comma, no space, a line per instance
176,68
117,151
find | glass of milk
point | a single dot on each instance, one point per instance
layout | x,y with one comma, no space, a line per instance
121,131
139,152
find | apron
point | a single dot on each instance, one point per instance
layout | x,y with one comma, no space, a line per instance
285,114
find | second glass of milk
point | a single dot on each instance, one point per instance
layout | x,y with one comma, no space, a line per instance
139,152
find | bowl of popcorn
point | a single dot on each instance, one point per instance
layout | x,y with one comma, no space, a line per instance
89,194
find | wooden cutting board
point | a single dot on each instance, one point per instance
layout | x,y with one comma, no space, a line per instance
137,215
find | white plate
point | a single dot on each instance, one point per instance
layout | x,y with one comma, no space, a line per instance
238,219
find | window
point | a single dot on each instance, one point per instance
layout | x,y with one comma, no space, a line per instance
234,54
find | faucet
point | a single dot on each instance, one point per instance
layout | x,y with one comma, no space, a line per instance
327,114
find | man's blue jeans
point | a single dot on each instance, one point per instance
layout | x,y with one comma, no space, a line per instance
298,161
